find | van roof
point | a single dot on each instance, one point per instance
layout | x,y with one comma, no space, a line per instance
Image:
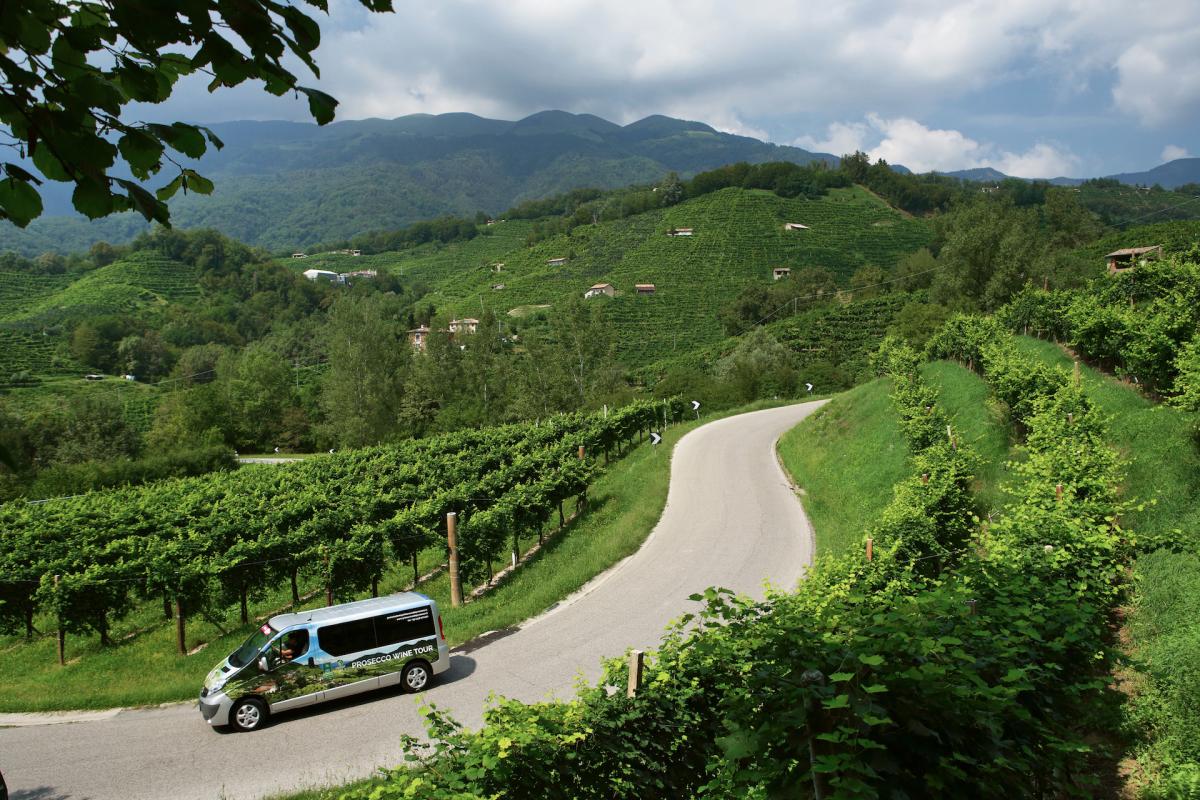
348,611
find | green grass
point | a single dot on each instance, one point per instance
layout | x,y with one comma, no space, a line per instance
143,668
981,424
845,458
849,455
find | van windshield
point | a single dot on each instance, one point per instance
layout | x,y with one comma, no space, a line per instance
253,646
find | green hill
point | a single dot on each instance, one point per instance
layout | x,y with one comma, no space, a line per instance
37,310
738,238
123,287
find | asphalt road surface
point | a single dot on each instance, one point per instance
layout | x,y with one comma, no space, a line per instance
731,520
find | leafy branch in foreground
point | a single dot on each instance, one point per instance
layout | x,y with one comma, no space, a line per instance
69,68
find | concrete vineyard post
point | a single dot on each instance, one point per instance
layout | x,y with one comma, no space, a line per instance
636,662
456,598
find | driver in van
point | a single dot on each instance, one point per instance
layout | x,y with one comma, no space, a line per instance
294,644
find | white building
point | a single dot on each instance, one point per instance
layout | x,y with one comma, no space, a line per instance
599,289
322,275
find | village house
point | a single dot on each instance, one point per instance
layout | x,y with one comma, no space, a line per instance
781,272
794,226
498,267
679,232
599,289
1130,257
323,275
644,288
497,287
555,262
465,325
417,337
299,255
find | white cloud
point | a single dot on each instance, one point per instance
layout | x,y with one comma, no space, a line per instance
1174,151
734,65
840,139
1158,77
906,141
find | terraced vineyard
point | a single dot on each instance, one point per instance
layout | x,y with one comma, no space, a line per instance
434,264
140,280
739,237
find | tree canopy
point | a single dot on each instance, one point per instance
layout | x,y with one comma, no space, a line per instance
69,68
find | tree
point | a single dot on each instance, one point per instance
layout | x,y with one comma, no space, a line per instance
69,69
867,281
759,366
363,390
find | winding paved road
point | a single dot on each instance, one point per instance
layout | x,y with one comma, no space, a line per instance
731,520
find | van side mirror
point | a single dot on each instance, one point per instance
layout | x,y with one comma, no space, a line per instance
262,664
312,662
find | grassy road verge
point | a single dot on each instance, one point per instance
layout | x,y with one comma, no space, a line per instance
847,457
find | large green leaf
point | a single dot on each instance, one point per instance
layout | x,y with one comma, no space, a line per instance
19,201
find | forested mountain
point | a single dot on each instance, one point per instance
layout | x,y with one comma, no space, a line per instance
285,185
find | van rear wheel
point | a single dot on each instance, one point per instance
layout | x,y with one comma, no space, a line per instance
249,714
416,676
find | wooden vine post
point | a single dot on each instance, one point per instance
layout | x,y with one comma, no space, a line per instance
870,549
636,663
456,597
180,627
62,635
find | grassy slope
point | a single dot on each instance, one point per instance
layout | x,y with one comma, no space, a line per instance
848,456
143,667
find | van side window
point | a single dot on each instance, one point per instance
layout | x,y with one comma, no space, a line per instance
347,637
403,626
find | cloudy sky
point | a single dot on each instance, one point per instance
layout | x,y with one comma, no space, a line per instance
1035,88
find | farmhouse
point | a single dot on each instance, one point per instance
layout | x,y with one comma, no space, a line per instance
556,262
465,325
794,226
679,232
497,287
599,289
498,267
418,336
781,272
1130,257
644,288
299,255
323,275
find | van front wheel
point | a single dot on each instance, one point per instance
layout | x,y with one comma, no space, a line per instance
416,676
248,714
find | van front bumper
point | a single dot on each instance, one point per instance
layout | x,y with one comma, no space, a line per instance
215,708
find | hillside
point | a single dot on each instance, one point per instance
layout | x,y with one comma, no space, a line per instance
738,239
286,185
36,310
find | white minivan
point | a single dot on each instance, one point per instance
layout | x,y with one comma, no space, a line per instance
308,657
